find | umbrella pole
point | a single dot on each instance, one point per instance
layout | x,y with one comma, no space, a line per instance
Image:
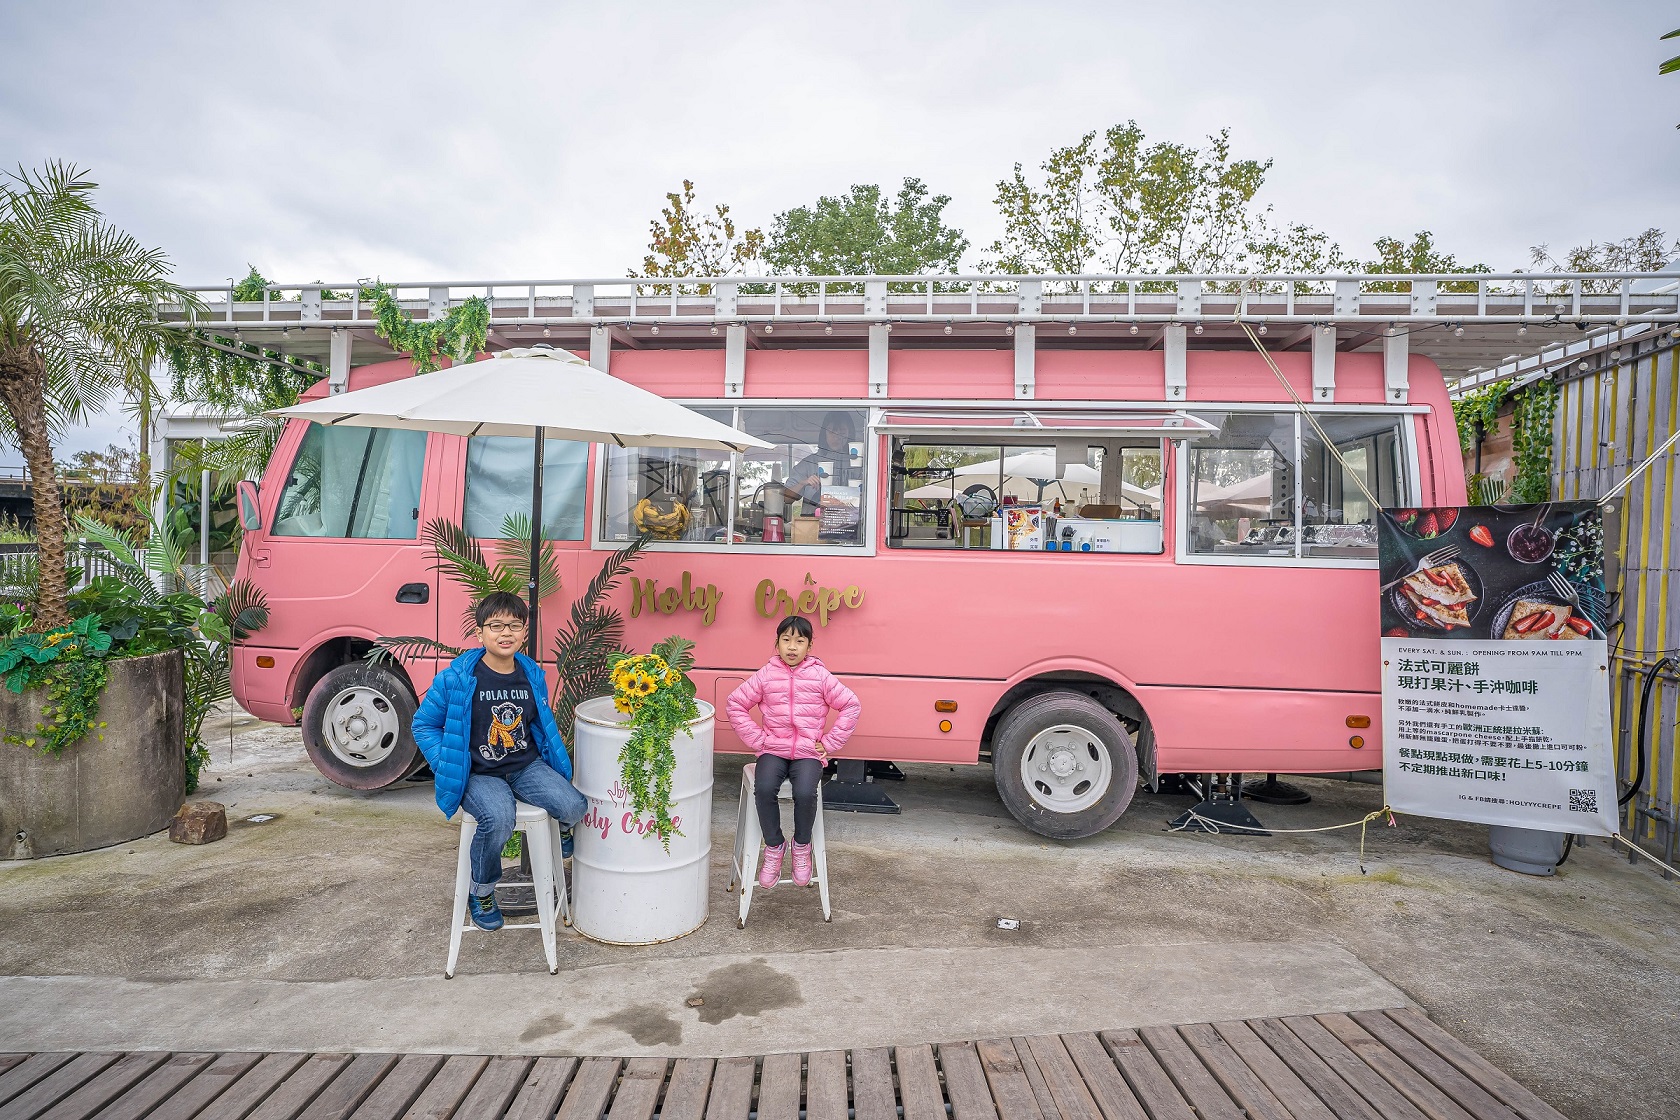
533,640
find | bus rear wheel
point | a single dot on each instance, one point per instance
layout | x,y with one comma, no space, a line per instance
357,727
1064,765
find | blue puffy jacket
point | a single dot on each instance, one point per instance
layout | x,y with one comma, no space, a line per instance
443,724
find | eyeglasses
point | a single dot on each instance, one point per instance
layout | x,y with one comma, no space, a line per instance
502,627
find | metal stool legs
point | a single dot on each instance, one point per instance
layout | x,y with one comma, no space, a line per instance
548,879
749,844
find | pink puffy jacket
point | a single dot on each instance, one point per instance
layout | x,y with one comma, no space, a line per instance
794,703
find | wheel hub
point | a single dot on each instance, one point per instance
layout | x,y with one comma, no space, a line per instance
361,726
1066,768
1062,762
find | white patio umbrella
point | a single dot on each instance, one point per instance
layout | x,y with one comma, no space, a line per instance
539,392
1250,497
1026,476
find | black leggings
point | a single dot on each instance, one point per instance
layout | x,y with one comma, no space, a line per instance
772,771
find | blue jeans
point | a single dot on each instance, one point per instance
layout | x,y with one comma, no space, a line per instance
490,800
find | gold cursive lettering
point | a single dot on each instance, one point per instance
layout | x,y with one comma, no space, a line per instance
645,595
812,599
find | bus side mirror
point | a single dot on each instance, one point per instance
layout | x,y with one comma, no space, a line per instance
250,513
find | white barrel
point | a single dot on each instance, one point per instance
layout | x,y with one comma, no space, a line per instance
626,889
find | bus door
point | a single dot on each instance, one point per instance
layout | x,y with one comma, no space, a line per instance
490,482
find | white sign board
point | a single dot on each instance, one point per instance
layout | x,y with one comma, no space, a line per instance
1496,682
1500,732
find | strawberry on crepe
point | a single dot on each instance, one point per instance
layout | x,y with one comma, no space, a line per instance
1441,594
1532,619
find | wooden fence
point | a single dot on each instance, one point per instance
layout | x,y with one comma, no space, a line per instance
1610,418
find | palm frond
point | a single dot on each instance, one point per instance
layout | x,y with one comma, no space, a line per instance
459,557
243,609
677,651
612,570
408,647
583,648
514,549
114,541
583,659
129,566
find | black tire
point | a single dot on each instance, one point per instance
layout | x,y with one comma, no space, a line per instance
1077,733
384,753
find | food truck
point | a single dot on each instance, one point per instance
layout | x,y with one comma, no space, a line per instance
1089,552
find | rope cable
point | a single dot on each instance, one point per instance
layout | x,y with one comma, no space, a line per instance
1635,848
1311,419
1193,817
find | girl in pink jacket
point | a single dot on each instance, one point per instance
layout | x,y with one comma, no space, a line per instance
794,694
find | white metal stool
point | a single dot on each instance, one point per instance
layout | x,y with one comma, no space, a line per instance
548,879
749,842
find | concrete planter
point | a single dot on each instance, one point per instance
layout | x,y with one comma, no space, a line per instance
98,792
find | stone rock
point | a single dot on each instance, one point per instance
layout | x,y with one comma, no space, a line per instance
198,822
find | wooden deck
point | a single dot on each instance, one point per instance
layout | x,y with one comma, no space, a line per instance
1376,1065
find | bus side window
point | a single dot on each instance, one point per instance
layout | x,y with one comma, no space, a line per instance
1336,515
499,484
1244,485
810,487
354,482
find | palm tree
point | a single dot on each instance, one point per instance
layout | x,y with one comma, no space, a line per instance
78,324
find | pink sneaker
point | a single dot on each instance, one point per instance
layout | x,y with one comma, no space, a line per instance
770,871
802,865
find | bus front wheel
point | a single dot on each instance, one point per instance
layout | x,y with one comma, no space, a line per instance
1064,765
356,727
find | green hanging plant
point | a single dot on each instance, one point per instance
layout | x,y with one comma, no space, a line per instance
1478,411
654,690
461,333
1531,442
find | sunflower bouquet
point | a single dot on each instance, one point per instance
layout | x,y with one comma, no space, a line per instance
653,689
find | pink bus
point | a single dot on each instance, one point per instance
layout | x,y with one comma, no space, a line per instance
1119,571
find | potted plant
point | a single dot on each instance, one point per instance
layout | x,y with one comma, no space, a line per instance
653,689
103,715
643,758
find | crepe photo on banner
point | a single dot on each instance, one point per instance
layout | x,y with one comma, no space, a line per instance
1496,665
1510,573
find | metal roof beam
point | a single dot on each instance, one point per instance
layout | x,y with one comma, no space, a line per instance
1300,338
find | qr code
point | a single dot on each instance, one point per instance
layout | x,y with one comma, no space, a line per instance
1583,801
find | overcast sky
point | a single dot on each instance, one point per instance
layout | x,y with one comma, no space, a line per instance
428,141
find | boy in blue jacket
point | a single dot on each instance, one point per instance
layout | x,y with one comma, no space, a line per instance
489,736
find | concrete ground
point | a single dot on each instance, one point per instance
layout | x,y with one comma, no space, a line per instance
325,927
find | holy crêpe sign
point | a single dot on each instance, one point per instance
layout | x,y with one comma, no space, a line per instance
1495,683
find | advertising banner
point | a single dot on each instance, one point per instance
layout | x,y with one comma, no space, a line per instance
1496,683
